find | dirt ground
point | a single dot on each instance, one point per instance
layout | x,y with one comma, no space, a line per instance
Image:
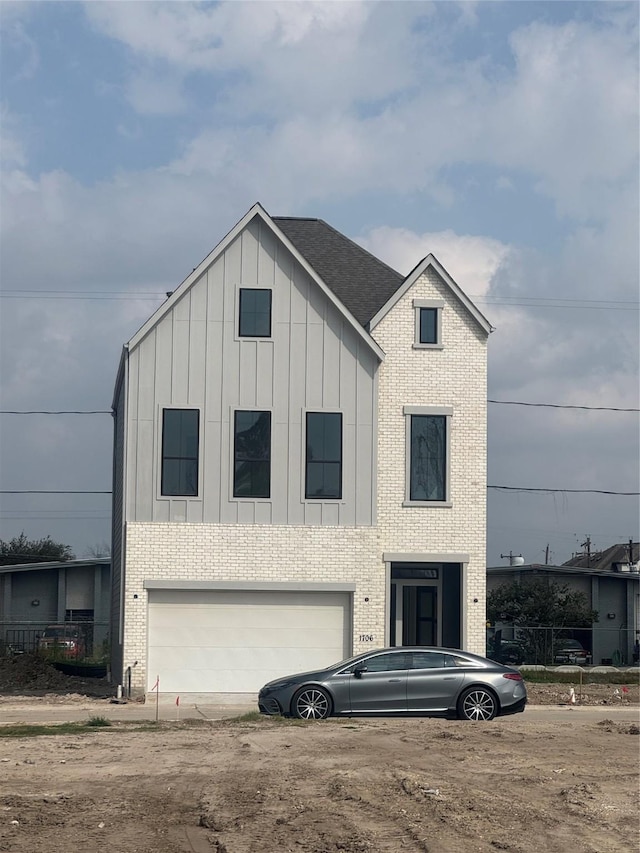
349,786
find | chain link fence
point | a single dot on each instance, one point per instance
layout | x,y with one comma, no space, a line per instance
557,645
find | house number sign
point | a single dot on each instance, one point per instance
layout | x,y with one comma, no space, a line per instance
366,638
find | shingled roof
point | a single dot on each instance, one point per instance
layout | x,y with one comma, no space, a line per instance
605,560
360,281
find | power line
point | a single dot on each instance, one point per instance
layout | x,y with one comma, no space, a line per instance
496,402
553,491
51,492
562,406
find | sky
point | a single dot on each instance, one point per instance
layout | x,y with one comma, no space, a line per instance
500,136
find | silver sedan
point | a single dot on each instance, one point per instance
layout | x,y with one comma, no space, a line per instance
403,680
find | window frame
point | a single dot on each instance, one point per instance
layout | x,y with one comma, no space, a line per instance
238,333
162,495
428,411
254,498
433,304
305,421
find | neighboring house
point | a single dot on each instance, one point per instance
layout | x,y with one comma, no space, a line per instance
610,580
299,464
34,595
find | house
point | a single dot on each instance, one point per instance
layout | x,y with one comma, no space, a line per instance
299,464
34,595
610,581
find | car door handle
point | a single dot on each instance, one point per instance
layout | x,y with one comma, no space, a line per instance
449,678
394,680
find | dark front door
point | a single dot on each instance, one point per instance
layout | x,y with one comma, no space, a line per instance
419,615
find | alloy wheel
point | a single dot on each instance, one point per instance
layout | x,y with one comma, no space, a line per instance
478,705
312,703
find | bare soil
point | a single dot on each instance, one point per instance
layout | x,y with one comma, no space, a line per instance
349,786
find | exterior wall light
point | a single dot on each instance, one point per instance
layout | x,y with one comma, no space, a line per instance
611,615
35,602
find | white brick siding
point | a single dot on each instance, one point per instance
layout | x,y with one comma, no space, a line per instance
261,553
453,376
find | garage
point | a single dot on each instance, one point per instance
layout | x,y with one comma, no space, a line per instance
233,641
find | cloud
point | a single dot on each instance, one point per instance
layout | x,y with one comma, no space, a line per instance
471,260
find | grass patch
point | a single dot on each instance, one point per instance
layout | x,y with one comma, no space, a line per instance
548,677
98,722
79,728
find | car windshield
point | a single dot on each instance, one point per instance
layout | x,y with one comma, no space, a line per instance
59,633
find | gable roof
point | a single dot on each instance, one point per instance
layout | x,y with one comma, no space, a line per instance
258,210
605,560
360,280
432,262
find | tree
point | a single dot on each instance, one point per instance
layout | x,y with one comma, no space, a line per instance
23,550
542,611
99,550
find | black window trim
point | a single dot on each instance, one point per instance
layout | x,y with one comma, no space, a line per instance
234,412
239,334
427,411
163,411
324,498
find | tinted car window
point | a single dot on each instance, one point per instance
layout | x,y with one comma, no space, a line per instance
426,660
456,660
386,663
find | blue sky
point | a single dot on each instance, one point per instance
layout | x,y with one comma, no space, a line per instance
502,136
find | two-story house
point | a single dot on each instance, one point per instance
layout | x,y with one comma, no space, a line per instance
299,464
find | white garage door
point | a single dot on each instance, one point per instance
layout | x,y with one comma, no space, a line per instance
213,641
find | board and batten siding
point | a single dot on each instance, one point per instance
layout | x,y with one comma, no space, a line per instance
194,358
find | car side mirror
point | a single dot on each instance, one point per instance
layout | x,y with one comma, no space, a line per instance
359,670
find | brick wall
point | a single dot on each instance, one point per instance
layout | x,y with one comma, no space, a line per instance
452,376
231,552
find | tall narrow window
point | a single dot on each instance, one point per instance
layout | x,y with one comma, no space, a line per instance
180,441
255,313
252,455
428,466
428,323
428,326
324,455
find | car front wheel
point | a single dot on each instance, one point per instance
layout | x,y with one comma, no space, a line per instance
477,703
311,703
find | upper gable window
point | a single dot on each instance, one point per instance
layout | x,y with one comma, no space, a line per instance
254,313
428,324
180,448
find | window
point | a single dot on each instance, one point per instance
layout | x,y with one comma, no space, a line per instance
428,323
255,313
428,439
252,455
426,660
324,455
428,326
180,440
390,662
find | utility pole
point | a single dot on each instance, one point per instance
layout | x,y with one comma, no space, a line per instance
587,545
546,555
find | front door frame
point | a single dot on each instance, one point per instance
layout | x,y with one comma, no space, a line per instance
462,559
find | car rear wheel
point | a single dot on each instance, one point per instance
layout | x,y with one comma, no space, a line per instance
477,703
311,703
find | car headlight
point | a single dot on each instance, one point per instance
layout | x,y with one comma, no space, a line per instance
279,685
